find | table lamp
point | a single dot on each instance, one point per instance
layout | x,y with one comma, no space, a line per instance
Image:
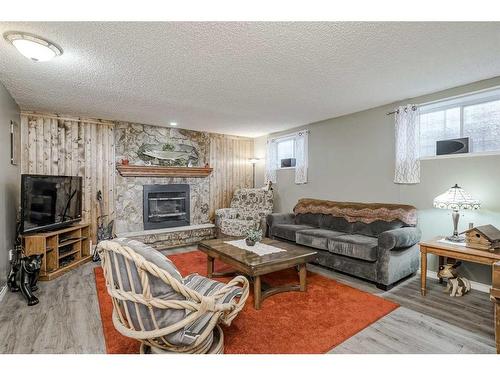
456,199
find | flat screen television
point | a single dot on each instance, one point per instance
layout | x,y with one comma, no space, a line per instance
49,202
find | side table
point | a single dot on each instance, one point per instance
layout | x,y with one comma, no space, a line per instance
455,251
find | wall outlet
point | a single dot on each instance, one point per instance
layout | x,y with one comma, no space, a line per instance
11,254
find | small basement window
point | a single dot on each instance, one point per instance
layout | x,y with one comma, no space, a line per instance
475,116
286,152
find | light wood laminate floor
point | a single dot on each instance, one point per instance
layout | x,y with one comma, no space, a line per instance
67,320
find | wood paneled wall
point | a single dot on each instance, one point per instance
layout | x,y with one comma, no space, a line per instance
78,147
58,146
231,168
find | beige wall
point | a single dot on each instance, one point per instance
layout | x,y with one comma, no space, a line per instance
351,158
9,182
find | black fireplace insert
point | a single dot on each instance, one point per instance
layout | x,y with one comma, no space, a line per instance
166,206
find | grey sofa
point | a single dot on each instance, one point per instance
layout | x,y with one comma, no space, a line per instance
377,242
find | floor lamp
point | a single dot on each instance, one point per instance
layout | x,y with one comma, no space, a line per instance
253,161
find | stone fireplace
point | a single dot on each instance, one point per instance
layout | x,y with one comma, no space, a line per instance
166,206
131,212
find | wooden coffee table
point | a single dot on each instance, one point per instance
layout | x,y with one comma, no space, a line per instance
254,266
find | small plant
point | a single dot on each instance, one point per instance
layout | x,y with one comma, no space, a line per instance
253,236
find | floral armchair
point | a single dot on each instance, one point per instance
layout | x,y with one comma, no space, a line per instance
249,208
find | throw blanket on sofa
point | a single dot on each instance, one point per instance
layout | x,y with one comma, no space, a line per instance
364,212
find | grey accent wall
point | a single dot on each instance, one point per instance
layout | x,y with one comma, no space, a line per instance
9,182
351,158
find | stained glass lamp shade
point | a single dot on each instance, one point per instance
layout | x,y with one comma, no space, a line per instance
456,199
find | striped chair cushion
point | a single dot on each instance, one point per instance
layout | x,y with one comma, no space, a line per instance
206,287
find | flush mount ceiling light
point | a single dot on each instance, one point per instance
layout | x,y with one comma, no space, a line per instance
173,123
33,47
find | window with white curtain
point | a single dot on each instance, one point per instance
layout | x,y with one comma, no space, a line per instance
476,116
281,149
286,150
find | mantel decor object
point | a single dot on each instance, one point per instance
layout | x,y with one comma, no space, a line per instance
169,154
456,199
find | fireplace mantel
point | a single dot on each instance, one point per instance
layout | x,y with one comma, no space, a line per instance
159,171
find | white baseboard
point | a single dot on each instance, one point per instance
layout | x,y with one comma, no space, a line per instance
473,284
3,292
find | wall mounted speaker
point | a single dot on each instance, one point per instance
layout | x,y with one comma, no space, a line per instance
452,146
287,163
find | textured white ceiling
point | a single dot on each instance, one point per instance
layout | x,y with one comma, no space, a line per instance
243,78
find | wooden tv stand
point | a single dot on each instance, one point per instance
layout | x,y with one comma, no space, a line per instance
63,249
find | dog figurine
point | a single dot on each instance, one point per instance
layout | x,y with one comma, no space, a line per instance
456,285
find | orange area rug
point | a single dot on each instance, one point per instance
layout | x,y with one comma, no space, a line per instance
293,322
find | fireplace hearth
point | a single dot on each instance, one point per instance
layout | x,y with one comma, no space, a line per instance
166,206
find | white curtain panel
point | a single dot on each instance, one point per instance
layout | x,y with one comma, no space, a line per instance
301,160
407,145
271,160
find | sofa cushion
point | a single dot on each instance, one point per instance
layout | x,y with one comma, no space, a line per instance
317,237
354,246
287,231
308,219
399,238
375,228
335,223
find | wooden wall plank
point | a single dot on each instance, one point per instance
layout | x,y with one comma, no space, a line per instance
74,148
248,166
61,136
47,149
68,147
24,144
39,146
81,150
54,147
31,146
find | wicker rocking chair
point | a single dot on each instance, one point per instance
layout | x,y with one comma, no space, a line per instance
152,303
